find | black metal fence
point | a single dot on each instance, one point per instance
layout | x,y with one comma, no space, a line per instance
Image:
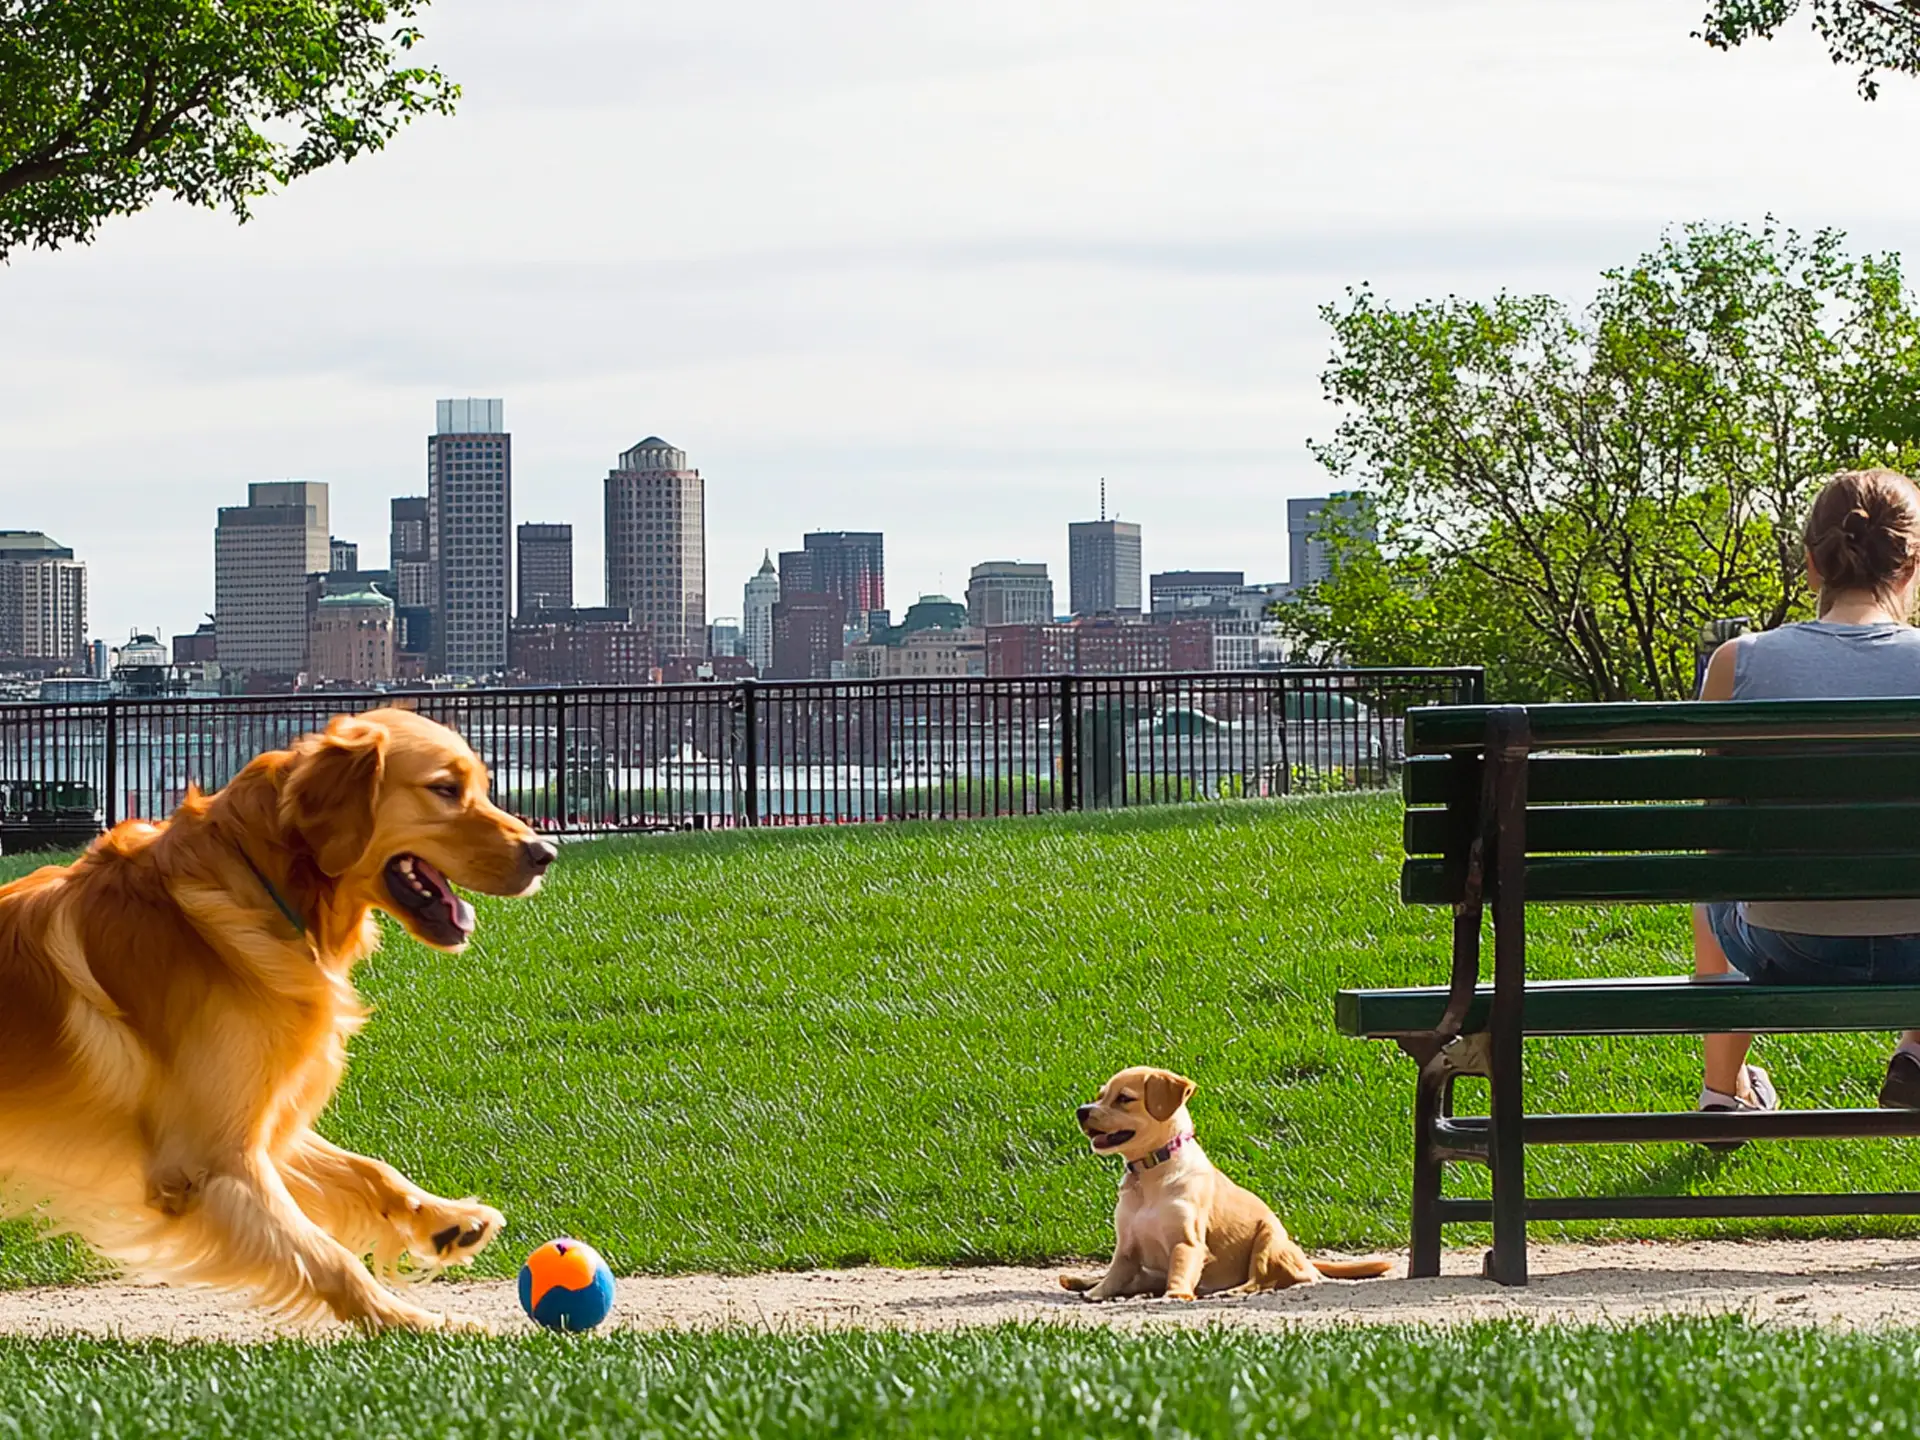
609,759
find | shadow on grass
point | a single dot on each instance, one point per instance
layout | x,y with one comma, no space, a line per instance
1678,1172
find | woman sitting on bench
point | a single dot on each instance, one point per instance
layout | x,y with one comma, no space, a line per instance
1863,559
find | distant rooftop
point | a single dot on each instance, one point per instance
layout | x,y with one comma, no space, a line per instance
362,596
470,417
31,545
653,453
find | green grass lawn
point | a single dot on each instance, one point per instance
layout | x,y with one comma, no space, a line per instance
800,1048
1718,1379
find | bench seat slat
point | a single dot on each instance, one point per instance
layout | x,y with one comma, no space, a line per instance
1658,1005
1678,879
1652,829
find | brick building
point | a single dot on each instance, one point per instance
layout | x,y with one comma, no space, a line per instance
809,635
1095,647
350,639
602,646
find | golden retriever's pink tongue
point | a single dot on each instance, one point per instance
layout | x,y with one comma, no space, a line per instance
458,910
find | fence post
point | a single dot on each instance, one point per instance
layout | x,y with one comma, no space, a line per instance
560,787
110,782
1069,745
750,727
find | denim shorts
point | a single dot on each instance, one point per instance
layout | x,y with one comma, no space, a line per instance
1773,957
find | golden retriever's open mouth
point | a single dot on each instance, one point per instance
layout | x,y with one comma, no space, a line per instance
429,899
1109,1139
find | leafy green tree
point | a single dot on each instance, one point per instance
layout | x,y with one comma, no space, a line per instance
1874,36
105,105
1568,498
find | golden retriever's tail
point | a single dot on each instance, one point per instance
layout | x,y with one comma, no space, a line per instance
1079,1284
1352,1269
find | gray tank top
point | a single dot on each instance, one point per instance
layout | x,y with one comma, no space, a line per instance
1818,661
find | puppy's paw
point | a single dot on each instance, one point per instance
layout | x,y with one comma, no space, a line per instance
1185,1296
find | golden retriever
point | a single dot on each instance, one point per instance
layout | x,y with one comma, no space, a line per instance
1182,1229
175,1008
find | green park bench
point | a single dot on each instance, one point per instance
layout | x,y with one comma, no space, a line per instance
1512,806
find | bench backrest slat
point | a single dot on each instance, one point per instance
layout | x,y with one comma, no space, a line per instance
1799,800
1670,879
1803,773
1655,830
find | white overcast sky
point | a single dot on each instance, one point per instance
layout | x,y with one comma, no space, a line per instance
933,269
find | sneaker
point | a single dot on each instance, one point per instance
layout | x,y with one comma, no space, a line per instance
1901,1089
1764,1098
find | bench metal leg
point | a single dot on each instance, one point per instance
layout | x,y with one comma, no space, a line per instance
1433,1098
1507,745
1507,1265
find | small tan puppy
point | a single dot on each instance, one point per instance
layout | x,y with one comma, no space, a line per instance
1182,1229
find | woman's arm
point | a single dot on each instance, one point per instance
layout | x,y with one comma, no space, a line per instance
1717,684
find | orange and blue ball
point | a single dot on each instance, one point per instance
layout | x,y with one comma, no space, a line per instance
565,1285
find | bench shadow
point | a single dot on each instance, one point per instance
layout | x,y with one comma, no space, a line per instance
1590,1286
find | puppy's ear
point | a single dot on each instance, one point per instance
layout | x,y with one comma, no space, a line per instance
1166,1093
330,791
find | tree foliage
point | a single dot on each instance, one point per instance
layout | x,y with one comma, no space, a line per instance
1568,498
107,104
1874,37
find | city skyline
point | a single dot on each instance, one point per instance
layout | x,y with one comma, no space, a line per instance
375,548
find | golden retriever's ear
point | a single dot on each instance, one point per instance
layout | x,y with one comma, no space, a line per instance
1166,1093
331,788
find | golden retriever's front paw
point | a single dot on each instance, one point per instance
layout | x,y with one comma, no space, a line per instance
460,1230
1184,1296
432,1233
377,1310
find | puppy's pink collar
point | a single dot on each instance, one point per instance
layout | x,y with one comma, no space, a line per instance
1160,1156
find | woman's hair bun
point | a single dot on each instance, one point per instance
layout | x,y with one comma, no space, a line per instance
1863,532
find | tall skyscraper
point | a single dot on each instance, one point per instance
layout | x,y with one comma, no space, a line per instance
263,552
1309,556
656,513
469,534
1007,592
851,564
1103,564
407,539
545,569
43,599
756,615
411,564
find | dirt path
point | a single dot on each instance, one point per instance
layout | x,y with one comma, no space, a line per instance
1868,1282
